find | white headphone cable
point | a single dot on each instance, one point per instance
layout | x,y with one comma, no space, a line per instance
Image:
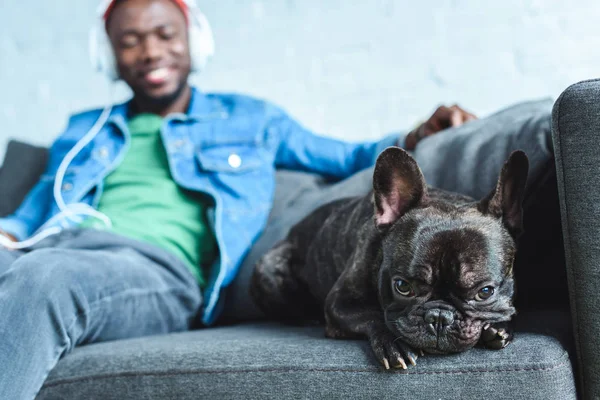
62,169
71,211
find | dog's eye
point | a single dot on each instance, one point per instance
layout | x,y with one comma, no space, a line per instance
403,288
484,293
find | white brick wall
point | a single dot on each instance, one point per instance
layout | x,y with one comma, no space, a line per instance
349,69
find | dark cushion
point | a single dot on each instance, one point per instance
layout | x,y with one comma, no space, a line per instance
576,134
268,360
23,164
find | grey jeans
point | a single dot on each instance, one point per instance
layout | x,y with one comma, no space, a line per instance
468,159
82,287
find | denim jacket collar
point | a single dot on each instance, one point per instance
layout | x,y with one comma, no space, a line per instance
201,107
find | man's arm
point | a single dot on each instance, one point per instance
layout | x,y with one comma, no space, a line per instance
301,149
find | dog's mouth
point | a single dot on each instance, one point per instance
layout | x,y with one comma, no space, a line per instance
457,338
448,345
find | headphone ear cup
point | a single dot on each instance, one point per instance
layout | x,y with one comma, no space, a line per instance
107,57
93,49
201,41
110,62
101,53
197,57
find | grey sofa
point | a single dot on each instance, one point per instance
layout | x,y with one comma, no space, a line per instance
554,355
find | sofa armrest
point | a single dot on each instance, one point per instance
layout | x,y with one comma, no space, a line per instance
576,136
22,167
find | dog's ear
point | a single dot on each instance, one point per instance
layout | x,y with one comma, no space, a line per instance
506,200
398,186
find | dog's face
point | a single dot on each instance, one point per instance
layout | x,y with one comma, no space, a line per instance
445,274
447,265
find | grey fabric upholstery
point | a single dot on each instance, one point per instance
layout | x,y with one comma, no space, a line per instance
576,135
253,359
271,361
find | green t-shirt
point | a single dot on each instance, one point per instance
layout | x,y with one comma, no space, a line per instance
145,203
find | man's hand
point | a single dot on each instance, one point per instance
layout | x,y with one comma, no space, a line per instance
444,117
8,236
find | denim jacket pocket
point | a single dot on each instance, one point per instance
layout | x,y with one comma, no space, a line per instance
231,159
244,175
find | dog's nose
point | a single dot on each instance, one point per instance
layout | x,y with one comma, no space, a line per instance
438,319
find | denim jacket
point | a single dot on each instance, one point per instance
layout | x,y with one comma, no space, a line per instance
226,145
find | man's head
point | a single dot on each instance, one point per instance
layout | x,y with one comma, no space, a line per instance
151,47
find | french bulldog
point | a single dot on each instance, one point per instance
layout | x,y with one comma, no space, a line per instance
411,268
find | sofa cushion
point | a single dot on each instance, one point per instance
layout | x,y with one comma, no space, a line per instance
22,166
269,360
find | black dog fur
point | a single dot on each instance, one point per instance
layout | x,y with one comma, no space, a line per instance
411,268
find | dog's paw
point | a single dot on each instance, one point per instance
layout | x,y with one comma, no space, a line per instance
391,352
496,336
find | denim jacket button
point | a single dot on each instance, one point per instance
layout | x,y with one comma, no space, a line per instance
234,160
67,186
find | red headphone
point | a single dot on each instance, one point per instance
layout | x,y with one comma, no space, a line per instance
180,3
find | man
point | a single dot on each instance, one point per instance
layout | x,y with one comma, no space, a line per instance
187,181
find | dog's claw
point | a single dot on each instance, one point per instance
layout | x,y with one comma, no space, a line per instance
412,360
402,364
386,363
392,351
495,337
421,352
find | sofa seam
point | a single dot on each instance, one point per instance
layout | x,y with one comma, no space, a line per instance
565,222
288,370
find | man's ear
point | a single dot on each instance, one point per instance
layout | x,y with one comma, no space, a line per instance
398,186
506,200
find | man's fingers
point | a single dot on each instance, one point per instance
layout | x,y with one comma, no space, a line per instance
470,117
447,117
466,116
439,120
456,118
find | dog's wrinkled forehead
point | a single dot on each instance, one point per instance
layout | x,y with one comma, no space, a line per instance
462,248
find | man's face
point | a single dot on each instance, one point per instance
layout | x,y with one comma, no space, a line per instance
150,41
